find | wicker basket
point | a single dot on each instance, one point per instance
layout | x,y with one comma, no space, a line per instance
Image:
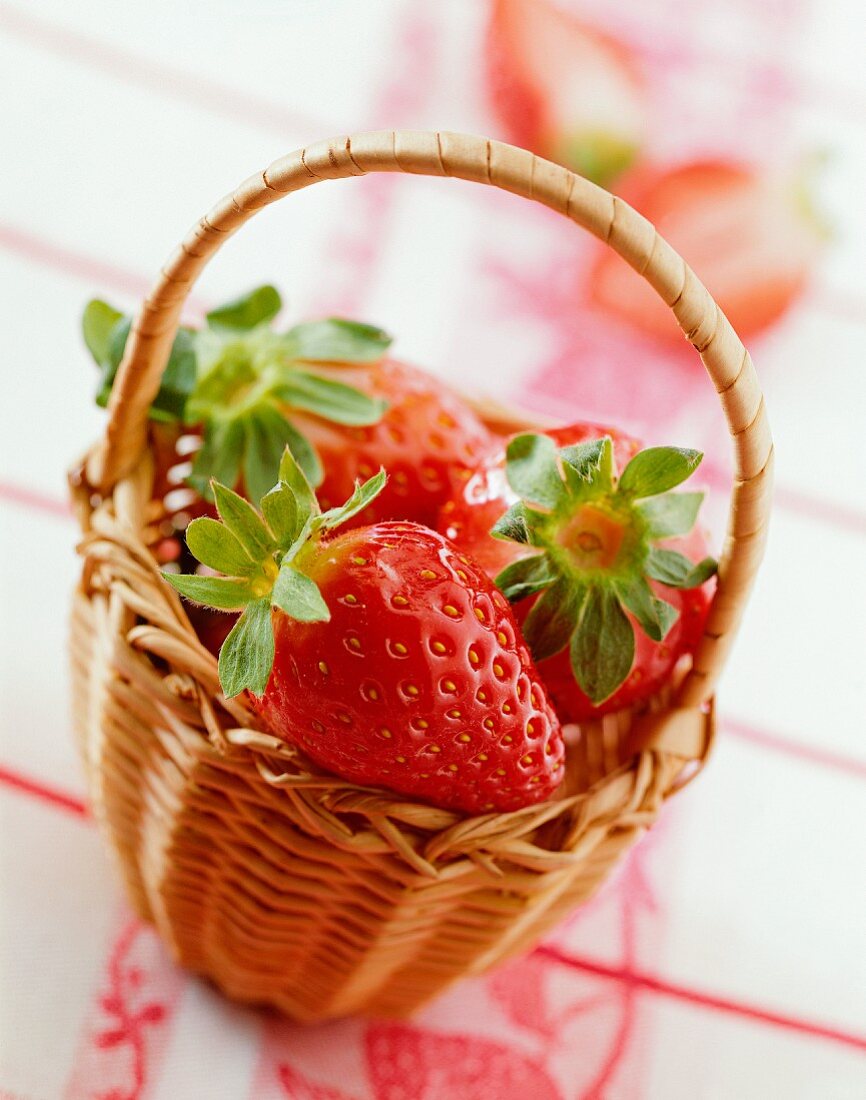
290,887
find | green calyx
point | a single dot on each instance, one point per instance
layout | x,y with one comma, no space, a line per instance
263,558
597,536
599,155
240,380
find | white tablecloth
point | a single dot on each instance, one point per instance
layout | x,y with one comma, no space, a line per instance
726,959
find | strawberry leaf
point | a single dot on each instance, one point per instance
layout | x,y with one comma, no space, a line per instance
655,616
525,577
291,473
266,434
335,340
513,526
97,324
678,571
363,495
657,469
244,522
280,510
247,654
111,361
178,378
551,621
602,646
218,458
532,470
597,533
331,400
299,596
305,455
591,462
670,514
237,379
248,311
223,593
215,546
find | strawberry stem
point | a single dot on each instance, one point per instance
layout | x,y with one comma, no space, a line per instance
240,381
264,555
595,536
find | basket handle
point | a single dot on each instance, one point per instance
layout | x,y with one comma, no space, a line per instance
607,217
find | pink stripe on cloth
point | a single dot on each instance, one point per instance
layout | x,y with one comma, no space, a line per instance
35,788
69,261
125,1036
801,750
34,500
152,75
83,266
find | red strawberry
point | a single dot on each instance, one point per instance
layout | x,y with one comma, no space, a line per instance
753,240
428,439
608,554
564,89
386,655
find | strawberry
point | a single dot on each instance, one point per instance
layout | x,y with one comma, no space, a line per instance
754,240
428,440
251,391
563,89
383,653
607,572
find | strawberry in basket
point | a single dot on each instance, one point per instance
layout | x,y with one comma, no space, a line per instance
325,389
382,652
608,573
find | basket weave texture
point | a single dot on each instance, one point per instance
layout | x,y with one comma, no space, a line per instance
288,886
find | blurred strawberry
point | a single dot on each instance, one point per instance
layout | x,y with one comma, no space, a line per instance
752,239
563,89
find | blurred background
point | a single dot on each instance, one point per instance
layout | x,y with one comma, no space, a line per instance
727,957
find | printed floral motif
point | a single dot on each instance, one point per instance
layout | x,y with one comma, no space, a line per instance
134,1009
587,367
407,1062
565,1010
297,1087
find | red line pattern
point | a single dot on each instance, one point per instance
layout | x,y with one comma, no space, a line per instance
45,792
809,506
642,980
